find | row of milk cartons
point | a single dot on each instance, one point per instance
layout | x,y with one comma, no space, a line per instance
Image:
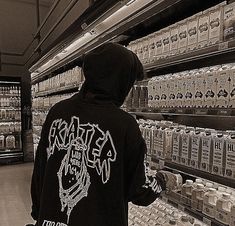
207,87
213,200
205,149
200,30
71,77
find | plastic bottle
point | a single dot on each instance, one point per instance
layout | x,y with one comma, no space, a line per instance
197,197
232,218
197,181
223,209
209,202
220,191
208,185
186,192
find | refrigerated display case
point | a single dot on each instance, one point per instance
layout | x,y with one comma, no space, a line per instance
182,45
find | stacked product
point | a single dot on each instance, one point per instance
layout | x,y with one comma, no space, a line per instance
198,31
137,97
159,213
212,87
45,103
69,78
199,148
215,201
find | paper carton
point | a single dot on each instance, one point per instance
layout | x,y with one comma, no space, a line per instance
174,40
193,32
229,21
158,46
203,29
166,42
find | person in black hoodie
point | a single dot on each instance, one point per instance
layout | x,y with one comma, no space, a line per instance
90,159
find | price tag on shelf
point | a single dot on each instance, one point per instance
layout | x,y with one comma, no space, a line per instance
223,46
180,207
206,221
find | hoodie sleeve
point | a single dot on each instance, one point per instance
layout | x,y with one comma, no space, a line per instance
142,189
39,170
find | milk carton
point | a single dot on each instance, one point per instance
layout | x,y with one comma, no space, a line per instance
158,46
148,138
232,219
229,21
172,95
160,142
155,129
157,92
211,87
190,89
166,42
196,149
176,145
232,87
164,92
209,204
174,39
151,92
185,146
168,134
199,91
230,156
193,32
183,36
223,86
218,154
223,209
203,29
216,24
151,47
207,150
181,84
146,50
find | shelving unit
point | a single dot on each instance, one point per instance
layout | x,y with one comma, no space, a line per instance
10,118
137,20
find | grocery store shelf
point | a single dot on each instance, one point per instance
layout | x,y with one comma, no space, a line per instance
7,151
9,120
193,112
221,52
6,158
60,90
9,95
10,108
198,173
10,133
198,215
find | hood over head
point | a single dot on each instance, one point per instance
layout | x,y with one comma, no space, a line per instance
110,71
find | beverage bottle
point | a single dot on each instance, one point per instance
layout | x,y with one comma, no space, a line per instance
197,197
186,192
223,209
209,203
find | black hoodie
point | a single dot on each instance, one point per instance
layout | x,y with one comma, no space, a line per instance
90,159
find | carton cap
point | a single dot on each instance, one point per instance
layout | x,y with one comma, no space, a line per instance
226,196
198,180
221,189
212,190
189,182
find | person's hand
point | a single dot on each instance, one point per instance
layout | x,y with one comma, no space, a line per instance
173,181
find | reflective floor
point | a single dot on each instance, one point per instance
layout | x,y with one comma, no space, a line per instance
15,200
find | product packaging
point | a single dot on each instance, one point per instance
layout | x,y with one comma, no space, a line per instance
158,46
219,154
193,32
216,24
203,29
166,34
229,21
174,40
183,36
230,156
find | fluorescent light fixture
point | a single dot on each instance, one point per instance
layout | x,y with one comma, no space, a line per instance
107,23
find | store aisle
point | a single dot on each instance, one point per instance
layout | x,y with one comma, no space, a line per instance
15,200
